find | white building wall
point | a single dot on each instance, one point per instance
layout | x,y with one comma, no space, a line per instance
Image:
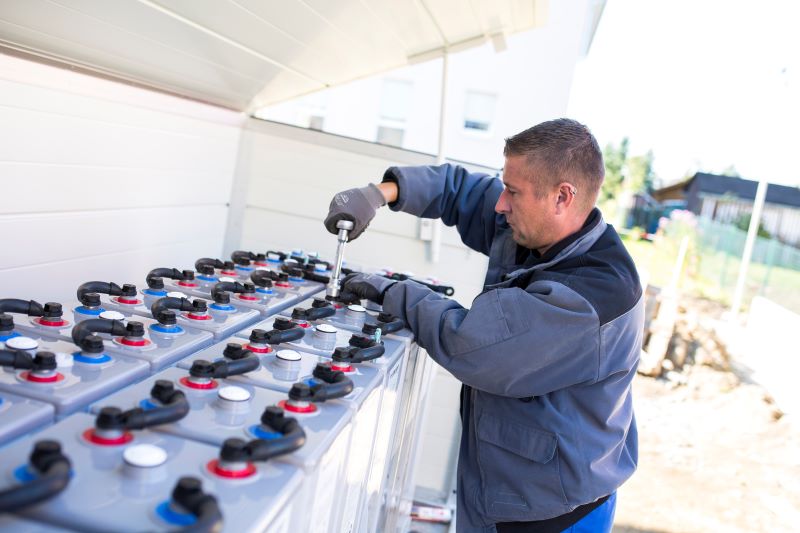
104,181
532,80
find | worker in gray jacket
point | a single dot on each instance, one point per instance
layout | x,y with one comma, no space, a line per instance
547,352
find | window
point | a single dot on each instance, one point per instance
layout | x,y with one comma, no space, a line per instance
394,112
390,135
316,122
479,111
396,100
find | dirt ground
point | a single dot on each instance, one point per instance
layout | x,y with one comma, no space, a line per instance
715,455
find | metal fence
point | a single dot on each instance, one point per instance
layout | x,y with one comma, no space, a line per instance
727,238
774,271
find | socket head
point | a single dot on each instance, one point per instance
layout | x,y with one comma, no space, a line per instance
345,225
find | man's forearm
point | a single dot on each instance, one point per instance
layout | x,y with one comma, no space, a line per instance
389,191
451,193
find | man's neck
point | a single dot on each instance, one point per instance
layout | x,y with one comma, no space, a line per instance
559,245
573,227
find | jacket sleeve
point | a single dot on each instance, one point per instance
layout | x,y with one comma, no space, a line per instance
451,193
512,342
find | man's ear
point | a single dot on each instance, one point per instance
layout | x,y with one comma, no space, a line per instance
566,196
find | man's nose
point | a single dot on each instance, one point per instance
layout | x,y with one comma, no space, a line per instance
502,206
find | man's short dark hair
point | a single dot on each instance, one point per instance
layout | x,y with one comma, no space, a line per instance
561,150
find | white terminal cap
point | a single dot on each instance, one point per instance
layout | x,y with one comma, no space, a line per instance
288,355
233,393
22,343
112,315
144,455
357,308
176,294
326,328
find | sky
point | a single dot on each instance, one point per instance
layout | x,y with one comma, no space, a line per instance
704,84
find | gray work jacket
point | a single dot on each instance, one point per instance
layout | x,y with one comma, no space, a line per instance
546,353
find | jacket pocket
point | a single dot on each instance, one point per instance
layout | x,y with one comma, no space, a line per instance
519,471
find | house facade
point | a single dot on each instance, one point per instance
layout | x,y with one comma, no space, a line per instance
728,199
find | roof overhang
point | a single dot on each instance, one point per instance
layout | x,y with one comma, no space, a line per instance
244,54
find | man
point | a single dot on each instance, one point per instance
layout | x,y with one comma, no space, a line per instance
548,350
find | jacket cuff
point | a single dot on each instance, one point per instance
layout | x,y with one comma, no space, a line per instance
392,303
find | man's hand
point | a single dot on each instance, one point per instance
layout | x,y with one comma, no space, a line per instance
356,205
365,286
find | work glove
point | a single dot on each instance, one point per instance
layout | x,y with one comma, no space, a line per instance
359,286
356,205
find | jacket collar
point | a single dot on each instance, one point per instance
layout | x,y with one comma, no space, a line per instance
574,245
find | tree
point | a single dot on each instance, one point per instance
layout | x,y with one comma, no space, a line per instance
640,173
623,172
614,158
743,223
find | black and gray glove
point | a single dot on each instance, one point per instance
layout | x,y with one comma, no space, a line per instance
356,205
365,286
